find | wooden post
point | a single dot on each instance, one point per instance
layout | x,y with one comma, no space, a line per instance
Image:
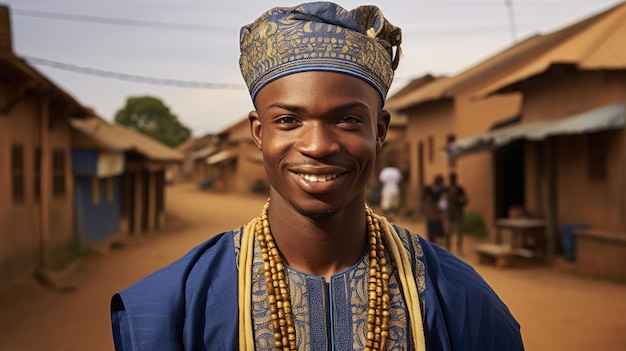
539,173
45,184
414,189
152,185
138,208
551,211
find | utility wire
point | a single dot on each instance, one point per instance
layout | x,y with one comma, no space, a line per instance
204,28
130,77
512,25
120,21
209,28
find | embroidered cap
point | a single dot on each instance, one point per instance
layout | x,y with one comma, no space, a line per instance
320,36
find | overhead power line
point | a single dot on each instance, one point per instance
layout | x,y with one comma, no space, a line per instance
512,26
130,77
120,21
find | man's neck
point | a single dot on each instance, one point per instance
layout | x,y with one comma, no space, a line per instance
322,246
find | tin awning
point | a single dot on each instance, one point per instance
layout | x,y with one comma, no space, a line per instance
220,156
596,120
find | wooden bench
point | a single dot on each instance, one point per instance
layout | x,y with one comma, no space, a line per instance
501,255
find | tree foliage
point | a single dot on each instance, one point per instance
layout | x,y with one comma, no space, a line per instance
152,117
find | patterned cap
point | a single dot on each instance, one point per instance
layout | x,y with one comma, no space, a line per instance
320,36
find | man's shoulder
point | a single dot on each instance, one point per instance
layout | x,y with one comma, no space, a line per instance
172,279
453,292
171,304
442,267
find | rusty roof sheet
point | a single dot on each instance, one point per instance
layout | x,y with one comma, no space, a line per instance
221,156
602,118
117,137
203,153
101,133
446,87
19,72
596,43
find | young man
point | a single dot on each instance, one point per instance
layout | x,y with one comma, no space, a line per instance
317,270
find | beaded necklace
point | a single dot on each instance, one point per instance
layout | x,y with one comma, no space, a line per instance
278,291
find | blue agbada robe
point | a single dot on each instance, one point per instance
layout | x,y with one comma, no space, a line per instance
192,304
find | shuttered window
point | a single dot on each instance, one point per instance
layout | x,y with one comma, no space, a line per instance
17,173
58,172
37,174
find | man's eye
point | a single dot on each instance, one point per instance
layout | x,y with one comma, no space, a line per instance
349,119
286,120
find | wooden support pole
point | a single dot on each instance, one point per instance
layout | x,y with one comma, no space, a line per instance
45,184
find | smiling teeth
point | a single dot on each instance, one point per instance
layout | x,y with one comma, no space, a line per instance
318,177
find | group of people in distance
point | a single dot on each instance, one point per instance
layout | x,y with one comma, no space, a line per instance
442,206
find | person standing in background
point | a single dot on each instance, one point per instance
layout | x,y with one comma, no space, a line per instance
390,177
431,208
456,199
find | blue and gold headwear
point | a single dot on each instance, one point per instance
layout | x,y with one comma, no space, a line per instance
320,36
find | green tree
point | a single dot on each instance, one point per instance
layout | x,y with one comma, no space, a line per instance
152,117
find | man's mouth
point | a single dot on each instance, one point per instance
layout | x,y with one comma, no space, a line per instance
317,177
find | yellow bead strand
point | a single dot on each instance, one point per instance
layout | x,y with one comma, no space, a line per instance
377,329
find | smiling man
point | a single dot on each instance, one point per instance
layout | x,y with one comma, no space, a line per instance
317,270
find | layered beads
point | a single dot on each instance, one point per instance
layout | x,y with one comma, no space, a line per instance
378,288
280,304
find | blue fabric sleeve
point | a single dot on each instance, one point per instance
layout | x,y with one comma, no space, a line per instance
462,311
187,305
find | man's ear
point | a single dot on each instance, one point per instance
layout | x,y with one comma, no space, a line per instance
382,124
255,127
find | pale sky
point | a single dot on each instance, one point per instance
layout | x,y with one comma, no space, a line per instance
198,41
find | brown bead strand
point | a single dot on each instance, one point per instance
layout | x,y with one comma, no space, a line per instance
378,289
278,292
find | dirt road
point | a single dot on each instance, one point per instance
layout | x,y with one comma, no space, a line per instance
557,311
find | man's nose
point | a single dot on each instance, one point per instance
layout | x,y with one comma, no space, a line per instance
317,141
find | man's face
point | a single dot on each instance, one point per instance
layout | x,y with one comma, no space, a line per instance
319,133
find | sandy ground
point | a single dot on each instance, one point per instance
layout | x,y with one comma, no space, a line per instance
557,310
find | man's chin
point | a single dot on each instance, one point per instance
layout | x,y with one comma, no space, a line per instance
319,215
315,213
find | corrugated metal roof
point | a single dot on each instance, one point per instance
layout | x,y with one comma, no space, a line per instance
203,153
16,70
116,137
596,43
599,119
431,91
220,157
102,133
446,87
413,85
148,147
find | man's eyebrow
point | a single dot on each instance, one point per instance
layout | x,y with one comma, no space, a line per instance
340,108
280,105
350,105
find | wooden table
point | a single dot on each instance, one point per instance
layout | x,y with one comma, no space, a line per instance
504,254
518,227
